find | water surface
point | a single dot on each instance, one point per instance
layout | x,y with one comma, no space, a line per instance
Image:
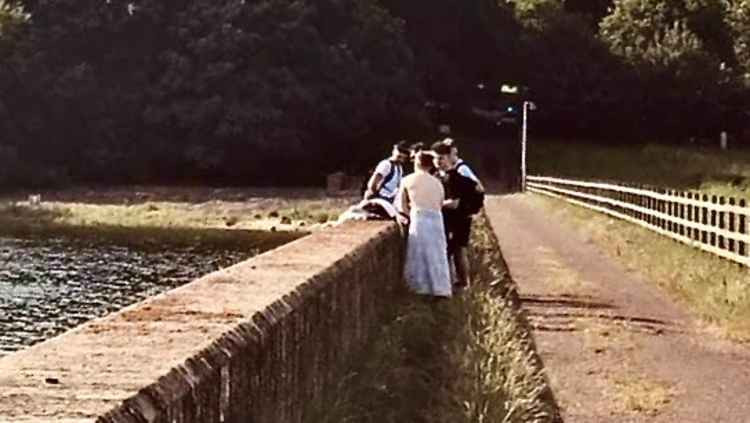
50,286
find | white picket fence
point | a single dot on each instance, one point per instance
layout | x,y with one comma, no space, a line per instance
717,225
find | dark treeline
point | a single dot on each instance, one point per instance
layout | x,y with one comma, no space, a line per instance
282,91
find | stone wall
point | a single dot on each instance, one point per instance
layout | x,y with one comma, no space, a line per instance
250,343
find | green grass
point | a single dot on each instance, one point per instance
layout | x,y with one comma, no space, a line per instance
180,216
146,226
468,359
716,290
712,171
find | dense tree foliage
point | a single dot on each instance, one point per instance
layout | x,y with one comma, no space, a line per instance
275,91
682,53
739,21
581,88
459,43
223,90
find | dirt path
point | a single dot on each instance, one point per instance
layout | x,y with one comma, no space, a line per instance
616,348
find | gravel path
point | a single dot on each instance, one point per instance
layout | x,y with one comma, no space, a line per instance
615,347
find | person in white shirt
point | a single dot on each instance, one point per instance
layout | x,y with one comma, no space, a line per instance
461,166
386,179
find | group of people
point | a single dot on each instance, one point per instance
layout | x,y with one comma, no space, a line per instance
437,201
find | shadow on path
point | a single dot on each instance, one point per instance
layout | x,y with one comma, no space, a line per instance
562,313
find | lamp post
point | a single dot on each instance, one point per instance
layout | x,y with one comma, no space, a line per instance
527,106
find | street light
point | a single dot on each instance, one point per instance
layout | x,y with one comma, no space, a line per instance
527,106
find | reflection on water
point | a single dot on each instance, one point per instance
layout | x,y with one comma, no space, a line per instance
48,287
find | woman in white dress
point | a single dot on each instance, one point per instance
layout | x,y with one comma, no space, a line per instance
426,270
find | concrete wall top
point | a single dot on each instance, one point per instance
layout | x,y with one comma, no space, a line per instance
92,369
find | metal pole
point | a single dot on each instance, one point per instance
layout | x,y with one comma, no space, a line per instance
523,146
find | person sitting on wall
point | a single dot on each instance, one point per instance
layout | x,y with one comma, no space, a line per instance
372,209
386,178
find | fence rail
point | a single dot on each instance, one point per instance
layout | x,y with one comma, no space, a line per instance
714,224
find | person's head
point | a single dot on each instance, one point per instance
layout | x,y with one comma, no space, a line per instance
443,158
424,160
401,152
416,148
450,142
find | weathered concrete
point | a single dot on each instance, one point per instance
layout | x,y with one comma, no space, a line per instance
245,344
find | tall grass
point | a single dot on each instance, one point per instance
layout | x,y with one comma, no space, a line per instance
467,359
687,168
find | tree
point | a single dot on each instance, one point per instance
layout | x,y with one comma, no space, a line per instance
458,44
738,19
196,90
13,20
580,87
677,49
13,46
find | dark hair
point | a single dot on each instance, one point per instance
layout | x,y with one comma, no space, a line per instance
425,160
441,148
402,147
417,147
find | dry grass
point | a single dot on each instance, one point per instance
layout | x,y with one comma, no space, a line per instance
636,395
224,218
177,218
559,278
716,290
468,359
283,214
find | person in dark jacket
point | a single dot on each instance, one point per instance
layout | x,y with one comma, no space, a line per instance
456,213
461,166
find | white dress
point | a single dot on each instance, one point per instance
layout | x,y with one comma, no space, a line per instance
426,270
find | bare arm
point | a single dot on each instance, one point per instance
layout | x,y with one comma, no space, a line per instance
405,202
373,186
451,204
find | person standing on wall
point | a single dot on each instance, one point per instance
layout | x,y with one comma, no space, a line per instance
386,179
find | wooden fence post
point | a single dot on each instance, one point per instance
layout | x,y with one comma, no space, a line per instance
732,225
682,213
704,220
743,229
670,211
713,221
722,223
690,214
676,210
663,209
628,200
650,206
637,202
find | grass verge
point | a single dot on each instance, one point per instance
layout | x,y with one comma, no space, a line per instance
715,289
44,222
468,359
686,168
258,222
